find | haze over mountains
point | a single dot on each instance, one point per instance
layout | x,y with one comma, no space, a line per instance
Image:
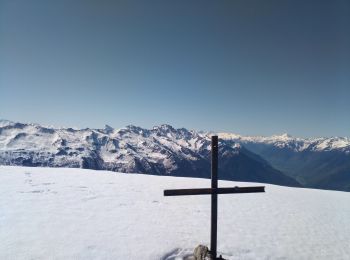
164,150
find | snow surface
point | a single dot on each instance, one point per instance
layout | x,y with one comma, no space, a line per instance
58,213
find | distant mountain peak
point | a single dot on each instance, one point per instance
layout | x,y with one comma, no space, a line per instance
135,129
4,122
164,127
283,137
286,135
108,129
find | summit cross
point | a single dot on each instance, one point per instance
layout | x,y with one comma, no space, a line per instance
214,191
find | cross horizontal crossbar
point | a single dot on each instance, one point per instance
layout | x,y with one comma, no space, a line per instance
203,191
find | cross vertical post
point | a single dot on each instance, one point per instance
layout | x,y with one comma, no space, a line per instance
214,191
214,195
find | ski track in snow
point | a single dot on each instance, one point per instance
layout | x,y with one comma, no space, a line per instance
57,213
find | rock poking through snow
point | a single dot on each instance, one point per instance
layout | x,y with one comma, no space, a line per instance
202,253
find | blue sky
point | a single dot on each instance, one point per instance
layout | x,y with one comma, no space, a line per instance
250,67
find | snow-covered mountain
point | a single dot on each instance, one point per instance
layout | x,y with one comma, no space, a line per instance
162,150
58,213
296,144
315,162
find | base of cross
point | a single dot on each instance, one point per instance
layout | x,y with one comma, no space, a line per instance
203,253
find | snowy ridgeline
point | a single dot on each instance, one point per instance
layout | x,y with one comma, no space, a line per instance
164,150
62,213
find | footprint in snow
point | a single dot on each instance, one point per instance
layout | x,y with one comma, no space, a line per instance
179,254
90,198
47,183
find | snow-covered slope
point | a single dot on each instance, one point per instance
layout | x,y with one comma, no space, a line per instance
57,213
162,150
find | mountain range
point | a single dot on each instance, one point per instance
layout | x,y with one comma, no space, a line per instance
315,162
163,150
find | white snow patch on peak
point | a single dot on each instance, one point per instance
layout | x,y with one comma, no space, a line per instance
284,136
4,122
236,145
229,136
163,126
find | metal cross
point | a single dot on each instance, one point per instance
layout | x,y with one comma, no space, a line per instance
214,191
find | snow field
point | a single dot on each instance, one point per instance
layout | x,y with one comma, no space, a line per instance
57,213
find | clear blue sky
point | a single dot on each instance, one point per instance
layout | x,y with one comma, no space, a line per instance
250,67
